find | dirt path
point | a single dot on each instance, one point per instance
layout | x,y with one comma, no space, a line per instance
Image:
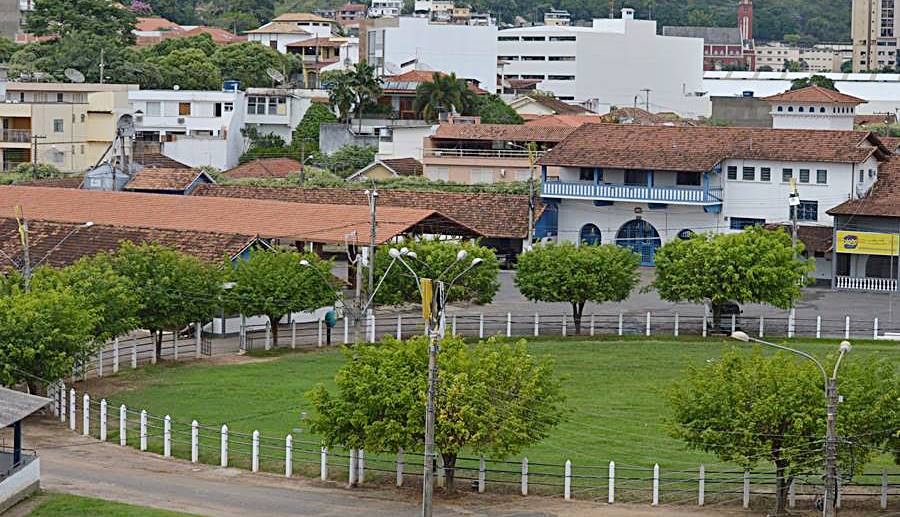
83,466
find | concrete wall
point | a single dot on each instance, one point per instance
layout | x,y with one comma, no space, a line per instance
334,136
404,142
20,485
741,111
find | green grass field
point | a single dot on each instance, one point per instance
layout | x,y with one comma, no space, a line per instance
615,392
64,505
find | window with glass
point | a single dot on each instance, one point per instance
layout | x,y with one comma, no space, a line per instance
732,172
586,174
154,108
184,109
806,211
749,174
277,106
765,174
589,235
861,175
821,176
685,234
739,223
786,175
256,105
58,125
636,177
687,178
804,175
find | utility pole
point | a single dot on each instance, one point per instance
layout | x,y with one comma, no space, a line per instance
646,98
26,255
794,204
532,156
34,154
102,64
373,227
428,313
828,508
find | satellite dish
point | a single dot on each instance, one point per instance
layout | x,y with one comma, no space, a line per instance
176,87
392,69
73,75
275,75
125,126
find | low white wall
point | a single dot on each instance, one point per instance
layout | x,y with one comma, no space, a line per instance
20,485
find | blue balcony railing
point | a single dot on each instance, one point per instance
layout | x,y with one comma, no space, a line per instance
609,192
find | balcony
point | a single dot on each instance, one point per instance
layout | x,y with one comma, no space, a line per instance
610,192
479,153
16,136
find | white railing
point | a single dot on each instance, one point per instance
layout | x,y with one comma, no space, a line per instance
479,153
866,284
711,195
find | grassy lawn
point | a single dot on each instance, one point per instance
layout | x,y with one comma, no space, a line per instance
64,505
615,391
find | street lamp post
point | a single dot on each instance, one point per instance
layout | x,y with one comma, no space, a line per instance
831,398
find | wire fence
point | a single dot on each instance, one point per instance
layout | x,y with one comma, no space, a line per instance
607,482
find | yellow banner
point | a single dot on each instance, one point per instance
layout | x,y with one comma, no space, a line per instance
867,243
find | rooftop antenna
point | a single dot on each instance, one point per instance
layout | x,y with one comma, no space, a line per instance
73,75
276,76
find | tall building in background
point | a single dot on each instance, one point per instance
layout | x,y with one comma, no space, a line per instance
745,19
10,17
875,31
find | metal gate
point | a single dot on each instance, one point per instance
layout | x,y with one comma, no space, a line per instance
642,237
206,344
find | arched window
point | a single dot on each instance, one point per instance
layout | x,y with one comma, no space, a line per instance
640,236
812,109
790,108
685,234
800,109
589,235
822,109
780,108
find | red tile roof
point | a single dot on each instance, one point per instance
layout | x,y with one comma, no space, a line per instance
404,166
417,77
219,36
814,94
157,160
46,239
559,107
629,146
163,179
265,168
67,182
563,120
328,223
156,23
316,42
502,216
884,198
504,132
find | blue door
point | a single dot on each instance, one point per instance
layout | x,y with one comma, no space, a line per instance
641,237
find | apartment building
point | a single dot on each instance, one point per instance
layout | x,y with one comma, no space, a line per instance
396,45
278,110
290,28
67,125
196,128
616,62
385,8
875,31
826,57
557,18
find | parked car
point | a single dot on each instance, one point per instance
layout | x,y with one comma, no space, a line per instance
727,310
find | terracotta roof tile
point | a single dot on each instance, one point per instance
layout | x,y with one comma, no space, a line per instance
67,182
329,223
163,179
301,17
699,149
219,36
563,120
814,94
558,106
504,132
265,168
814,238
884,198
45,238
158,160
405,166
279,27
502,216
315,42
156,24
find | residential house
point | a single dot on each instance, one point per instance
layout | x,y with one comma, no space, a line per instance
387,169
813,107
614,61
180,182
21,468
316,54
399,91
197,128
385,8
350,14
278,110
487,153
71,125
641,186
538,105
265,168
564,120
557,18
397,44
152,30
289,28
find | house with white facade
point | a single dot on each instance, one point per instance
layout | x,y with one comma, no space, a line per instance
399,44
385,8
813,107
641,186
614,62
290,28
278,110
196,128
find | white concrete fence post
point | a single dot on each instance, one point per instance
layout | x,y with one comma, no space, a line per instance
103,415
847,327
705,316
100,362
320,333
508,324
153,357
371,326
86,415
745,501
701,492
676,325
323,464
268,335
762,326
223,446
837,489
399,480
115,355
733,323
62,402
818,326
346,330
195,441
567,484
875,328
351,468
792,494
611,492
524,476
175,344
72,414
360,465
399,326
167,436
453,325
293,335
198,340
143,430
481,475
592,325
288,456
123,425
537,325
884,488
254,457
564,325
480,325
655,485
647,330
621,317
441,473
792,318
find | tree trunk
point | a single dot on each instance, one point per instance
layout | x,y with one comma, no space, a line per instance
717,316
273,322
577,312
782,486
449,472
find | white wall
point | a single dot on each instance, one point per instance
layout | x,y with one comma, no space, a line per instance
469,51
282,40
615,60
12,487
406,142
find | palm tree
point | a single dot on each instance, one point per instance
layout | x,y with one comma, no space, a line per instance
341,96
445,93
365,86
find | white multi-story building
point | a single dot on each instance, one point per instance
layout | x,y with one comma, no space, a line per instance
615,62
197,128
813,108
291,28
385,8
278,110
397,44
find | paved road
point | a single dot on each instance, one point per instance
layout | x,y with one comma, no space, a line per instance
83,466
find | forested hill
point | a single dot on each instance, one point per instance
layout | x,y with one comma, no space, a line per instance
806,20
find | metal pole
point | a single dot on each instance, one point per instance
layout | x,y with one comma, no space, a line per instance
26,256
428,480
531,158
830,449
373,202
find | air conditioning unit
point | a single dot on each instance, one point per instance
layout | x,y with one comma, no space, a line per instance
181,120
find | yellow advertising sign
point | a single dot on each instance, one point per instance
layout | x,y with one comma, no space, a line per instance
867,243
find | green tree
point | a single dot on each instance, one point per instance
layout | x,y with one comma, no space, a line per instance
792,66
175,289
340,94
98,17
444,93
699,18
42,333
7,48
816,80
307,130
577,275
748,408
496,399
202,42
434,257
493,110
274,284
247,62
81,51
753,266
347,159
366,87
189,69
37,171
